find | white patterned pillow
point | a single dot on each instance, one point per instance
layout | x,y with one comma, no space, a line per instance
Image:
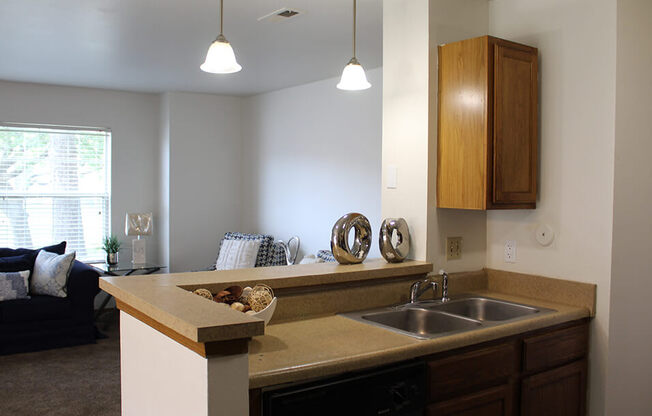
237,254
14,285
51,273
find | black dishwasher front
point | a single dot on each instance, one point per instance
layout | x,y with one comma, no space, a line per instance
393,391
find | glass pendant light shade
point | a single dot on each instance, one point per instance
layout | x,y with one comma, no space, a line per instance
220,58
353,77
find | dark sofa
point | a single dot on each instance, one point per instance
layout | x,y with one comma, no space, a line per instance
45,322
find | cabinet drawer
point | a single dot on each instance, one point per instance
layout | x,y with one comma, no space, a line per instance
496,401
465,372
555,348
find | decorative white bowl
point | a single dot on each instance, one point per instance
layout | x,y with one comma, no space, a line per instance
267,313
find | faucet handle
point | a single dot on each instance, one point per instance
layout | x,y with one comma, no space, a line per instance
444,285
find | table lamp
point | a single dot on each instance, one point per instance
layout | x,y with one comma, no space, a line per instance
138,224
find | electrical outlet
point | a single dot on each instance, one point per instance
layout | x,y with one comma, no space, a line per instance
453,248
510,251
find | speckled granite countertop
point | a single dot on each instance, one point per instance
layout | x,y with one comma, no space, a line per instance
329,345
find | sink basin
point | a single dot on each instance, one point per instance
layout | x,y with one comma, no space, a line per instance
485,309
432,319
421,322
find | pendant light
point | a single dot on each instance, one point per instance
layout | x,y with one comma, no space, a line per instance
220,58
353,76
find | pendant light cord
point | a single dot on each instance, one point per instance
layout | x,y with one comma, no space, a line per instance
354,24
221,17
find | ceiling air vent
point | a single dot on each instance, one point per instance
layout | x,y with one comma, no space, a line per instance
279,15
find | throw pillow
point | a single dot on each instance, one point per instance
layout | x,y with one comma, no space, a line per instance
17,263
326,256
278,255
14,285
51,273
264,257
57,248
237,254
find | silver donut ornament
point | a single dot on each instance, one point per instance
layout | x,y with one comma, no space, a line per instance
389,252
361,242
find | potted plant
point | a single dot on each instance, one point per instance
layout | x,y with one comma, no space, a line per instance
111,246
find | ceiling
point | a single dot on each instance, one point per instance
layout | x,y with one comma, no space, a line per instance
158,45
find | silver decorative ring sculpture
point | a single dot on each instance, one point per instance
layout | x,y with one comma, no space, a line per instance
390,253
340,241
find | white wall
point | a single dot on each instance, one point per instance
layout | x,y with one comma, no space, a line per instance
204,175
163,229
577,47
132,118
412,30
450,21
630,338
311,155
405,116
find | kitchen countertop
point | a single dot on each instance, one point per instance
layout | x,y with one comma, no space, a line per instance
167,299
329,345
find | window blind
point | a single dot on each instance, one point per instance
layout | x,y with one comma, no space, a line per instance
55,186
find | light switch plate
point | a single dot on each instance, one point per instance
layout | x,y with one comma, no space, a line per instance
391,177
453,248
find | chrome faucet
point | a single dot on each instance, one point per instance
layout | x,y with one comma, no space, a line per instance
444,286
419,287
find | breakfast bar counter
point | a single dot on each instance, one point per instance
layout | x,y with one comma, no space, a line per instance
185,354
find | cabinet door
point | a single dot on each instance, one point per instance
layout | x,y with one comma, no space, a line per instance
492,402
515,125
471,371
559,392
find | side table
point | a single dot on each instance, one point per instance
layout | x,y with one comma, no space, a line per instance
122,269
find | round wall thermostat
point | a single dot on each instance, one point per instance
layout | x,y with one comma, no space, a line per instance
544,234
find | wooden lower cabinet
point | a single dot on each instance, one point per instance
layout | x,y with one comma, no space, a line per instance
559,392
539,373
535,374
497,401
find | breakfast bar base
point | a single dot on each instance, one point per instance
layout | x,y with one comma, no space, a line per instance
161,377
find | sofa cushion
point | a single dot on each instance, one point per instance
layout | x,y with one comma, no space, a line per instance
56,248
14,285
17,263
38,308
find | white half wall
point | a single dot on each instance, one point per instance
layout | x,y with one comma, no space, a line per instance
312,154
133,120
630,338
577,56
160,377
204,197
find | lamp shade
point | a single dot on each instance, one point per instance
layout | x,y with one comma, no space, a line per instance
353,77
220,58
139,224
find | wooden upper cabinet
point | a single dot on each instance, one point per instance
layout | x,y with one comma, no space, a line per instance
487,125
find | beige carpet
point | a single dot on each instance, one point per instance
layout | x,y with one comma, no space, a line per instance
83,380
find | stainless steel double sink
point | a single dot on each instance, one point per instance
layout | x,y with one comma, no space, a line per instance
432,319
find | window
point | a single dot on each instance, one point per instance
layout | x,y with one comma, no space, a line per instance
54,186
